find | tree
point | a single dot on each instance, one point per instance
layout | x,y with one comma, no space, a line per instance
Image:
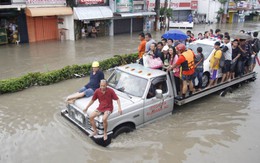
157,11
169,15
166,13
224,8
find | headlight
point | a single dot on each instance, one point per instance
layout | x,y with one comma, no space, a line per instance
99,125
79,117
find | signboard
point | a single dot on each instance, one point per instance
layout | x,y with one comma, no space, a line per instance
194,5
40,2
174,5
124,5
91,2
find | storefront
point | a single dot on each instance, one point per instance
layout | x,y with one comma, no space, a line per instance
12,23
49,23
182,9
131,16
87,19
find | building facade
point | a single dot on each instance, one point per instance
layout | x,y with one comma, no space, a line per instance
111,17
24,21
12,22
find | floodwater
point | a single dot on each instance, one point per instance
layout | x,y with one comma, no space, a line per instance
213,129
17,60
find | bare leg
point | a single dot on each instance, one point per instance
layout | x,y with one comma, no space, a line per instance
223,78
215,82
191,86
253,67
184,87
75,96
228,76
71,101
105,117
92,122
211,83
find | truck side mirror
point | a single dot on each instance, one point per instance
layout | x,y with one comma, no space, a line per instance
158,94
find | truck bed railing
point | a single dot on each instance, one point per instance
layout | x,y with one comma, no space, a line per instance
214,89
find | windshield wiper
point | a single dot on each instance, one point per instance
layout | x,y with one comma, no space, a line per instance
122,89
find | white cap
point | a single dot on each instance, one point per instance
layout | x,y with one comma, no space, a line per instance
165,48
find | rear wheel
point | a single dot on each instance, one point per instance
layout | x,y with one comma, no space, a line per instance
205,79
126,128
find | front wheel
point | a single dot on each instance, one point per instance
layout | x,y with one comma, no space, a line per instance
122,129
205,79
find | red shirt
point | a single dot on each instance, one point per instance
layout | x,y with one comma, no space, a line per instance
180,60
105,100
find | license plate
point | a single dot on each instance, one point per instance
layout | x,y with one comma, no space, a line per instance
79,118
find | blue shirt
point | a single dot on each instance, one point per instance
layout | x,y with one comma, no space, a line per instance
94,80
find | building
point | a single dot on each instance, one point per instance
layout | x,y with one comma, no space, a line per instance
111,17
90,14
131,16
23,21
12,22
209,8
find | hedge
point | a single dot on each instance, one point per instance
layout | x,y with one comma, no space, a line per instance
46,78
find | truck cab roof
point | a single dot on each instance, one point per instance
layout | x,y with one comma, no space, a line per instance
141,71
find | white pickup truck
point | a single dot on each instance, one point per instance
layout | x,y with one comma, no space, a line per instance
145,94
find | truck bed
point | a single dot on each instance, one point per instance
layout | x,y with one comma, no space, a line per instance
214,89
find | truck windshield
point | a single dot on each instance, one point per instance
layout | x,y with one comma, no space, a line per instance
130,84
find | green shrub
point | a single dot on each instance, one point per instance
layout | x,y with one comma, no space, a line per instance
46,78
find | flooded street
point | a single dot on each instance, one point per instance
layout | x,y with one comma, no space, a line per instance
18,60
213,129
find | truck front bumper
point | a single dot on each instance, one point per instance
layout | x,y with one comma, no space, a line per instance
97,138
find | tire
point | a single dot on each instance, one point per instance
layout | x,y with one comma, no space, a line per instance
205,79
122,129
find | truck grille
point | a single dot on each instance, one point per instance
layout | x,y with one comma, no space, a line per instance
78,116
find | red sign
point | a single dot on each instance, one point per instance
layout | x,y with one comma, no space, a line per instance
91,2
194,5
184,4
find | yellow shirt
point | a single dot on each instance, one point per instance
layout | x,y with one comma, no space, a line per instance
217,55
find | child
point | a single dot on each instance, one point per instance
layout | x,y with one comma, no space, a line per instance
199,59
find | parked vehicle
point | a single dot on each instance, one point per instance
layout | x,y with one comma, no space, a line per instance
135,84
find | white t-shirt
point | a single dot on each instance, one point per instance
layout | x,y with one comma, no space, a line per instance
228,53
148,44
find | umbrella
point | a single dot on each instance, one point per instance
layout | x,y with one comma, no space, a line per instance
175,34
241,36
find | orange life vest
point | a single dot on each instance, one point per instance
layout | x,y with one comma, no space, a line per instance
189,63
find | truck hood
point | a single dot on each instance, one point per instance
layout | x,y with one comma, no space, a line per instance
125,101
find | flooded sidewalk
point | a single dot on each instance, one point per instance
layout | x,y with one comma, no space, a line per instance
18,60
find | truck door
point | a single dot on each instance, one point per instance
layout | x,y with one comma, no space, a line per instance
155,107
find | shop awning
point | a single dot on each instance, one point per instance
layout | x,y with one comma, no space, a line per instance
92,13
48,11
136,14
